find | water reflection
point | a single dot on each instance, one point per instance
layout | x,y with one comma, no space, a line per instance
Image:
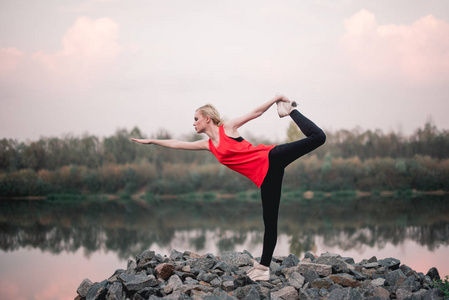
127,227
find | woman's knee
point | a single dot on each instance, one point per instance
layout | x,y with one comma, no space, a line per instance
320,138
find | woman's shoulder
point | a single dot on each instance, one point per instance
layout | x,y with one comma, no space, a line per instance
203,144
229,130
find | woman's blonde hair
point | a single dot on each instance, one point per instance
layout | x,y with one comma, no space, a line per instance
209,110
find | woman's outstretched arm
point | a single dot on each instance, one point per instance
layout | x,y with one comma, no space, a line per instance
231,126
175,144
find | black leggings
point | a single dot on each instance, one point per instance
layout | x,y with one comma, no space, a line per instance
280,157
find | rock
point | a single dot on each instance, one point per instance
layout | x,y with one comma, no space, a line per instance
145,256
309,294
236,259
131,268
338,266
249,292
433,274
84,287
164,270
184,275
115,276
427,280
402,294
290,261
390,263
380,293
357,275
228,285
433,294
191,288
207,277
216,282
286,293
138,297
191,281
176,255
186,268
296,280
411,284
348,260
173,284
321,269
395,278
368,272
134,283
310,256
378,282
116,292
371,265
188,255
344,280
319,283
372,259
283,270
406,270
97,291
175,296
189,276
203,263
344,294
419,294
148,292
310,275
221,265
329,254
218,296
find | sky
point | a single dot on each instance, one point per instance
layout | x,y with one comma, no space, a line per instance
95,66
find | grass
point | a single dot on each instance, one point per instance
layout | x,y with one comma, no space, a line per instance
209,196
443,285
65,197
345,194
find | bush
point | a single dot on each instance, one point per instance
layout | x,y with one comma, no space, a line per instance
443,285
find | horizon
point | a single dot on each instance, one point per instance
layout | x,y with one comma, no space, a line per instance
249,135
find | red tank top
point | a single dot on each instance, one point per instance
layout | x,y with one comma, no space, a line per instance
242,157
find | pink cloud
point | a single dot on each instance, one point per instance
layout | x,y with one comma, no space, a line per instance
61,290
9,59
86,44
10,291
418,52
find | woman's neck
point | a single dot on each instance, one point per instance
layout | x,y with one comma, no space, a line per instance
213,132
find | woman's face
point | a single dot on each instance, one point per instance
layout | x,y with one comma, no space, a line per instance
199,122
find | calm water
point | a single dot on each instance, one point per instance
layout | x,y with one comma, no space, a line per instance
49,247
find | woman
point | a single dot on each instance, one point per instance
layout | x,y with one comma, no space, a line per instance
263,164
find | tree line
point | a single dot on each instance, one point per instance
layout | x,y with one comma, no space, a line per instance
350,159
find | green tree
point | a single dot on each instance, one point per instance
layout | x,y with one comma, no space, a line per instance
293,133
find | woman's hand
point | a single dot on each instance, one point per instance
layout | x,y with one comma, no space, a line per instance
141,141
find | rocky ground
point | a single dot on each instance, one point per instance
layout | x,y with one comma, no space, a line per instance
191,276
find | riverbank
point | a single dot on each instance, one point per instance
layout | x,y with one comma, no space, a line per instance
248,195
187,275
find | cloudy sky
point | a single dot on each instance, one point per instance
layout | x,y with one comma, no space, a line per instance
93,66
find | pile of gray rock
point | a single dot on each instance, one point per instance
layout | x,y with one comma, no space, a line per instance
191,276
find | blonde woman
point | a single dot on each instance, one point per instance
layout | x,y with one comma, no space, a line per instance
263,164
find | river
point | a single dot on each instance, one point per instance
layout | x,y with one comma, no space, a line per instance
49,247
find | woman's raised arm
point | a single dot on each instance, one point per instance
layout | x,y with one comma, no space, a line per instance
231,126
175,144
